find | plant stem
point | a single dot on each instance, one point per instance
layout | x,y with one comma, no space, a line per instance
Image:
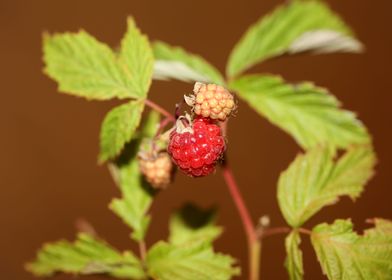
254,244
159,109
162,125
265,232
142,250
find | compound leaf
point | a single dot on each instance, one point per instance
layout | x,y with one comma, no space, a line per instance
192,225
136,198
118,128
294,27
176,63
345,255
85,67
315,180
87,255
294,263
197,262
137,57
310,114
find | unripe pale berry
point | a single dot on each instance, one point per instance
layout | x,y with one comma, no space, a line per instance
196,148
211,101
157,169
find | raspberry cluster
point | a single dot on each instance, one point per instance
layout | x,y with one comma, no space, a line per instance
211,101
196,147
157,170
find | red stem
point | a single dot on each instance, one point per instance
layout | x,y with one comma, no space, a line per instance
265,232
159,109
239,202
162,125
142,250
254,244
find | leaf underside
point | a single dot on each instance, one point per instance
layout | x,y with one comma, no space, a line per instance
176,63
297,26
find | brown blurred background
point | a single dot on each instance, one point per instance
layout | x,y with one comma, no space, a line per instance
49,141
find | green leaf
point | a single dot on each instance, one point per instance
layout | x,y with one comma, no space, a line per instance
345,255
88,255
192,225
176,63
294,27
136,199
85,67
308,113
294,262
137,56
315,180
199,262
118,128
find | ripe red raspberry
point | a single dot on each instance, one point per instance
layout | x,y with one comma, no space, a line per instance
211,101
196,149
156,169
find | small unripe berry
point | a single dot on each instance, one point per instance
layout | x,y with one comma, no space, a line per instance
211,101
196,147
157,169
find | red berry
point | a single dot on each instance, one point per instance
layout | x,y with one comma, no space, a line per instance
197,148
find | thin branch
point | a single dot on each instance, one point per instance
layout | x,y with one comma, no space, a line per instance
239,202
305,231
159,109
162,125
142,249
254,244
265,232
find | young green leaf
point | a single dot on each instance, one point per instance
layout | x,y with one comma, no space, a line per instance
192,225
137,57
315,180
308,113
136,199
88,255
345,255
176,63
85,67
294,27
118,128
197,262
294,262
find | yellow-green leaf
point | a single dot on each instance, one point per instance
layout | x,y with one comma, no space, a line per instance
85,67
176,63
310,114
345,255
192,225
87,255
137,58
315,180
298,26
136,198
197,262
118,128
294,263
